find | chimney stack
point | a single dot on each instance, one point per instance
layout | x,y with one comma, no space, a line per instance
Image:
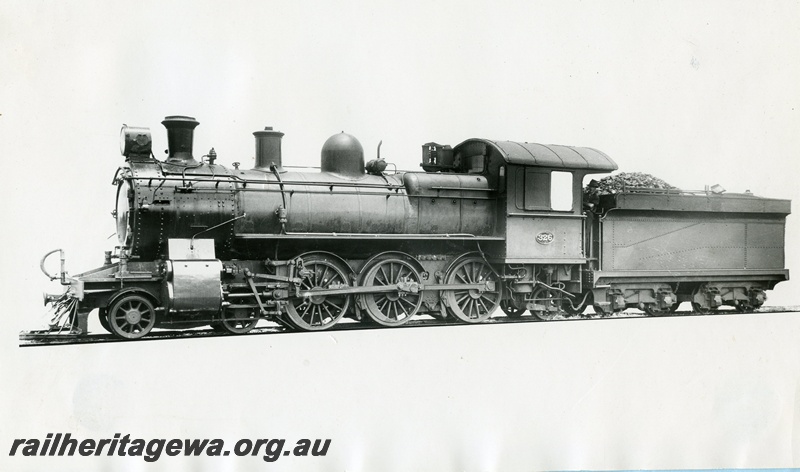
268,149
180,135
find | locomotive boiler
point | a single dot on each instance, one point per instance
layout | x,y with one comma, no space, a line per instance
485,224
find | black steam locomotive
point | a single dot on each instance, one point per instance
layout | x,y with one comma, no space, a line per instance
486,224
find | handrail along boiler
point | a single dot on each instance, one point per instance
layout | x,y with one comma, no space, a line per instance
486,224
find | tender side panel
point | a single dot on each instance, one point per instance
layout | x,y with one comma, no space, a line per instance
690,241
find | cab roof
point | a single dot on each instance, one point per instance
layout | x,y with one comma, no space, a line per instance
542,155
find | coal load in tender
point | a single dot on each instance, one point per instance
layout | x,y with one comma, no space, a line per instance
614,184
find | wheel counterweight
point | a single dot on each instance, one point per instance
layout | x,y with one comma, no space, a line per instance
319,312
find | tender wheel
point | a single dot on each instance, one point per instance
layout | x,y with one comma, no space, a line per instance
652,310
397,307
238,320
319,312
744,307
550,302
510,310
471,305
698,308
131,317
102,315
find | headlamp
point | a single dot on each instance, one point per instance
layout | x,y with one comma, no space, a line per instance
135,141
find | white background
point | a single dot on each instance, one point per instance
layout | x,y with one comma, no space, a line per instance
693,92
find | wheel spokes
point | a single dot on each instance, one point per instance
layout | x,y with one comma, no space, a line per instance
131,317
319,312
550,300
471,305
398,306
238,320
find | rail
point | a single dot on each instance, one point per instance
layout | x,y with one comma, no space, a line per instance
44,338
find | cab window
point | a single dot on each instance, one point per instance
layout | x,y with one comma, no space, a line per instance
561,191
540,189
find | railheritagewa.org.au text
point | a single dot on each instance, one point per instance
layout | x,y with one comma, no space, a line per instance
63,444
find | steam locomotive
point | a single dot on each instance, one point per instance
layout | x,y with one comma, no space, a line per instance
485,224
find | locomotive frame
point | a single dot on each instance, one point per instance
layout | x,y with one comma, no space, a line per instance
486,224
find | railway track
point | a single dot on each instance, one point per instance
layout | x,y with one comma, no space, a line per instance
49,338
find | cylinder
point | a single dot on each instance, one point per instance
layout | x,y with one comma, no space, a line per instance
194,285
268,149
180,135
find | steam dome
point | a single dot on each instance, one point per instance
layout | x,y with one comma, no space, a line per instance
342,154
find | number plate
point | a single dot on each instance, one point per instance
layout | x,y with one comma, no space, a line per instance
545,237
